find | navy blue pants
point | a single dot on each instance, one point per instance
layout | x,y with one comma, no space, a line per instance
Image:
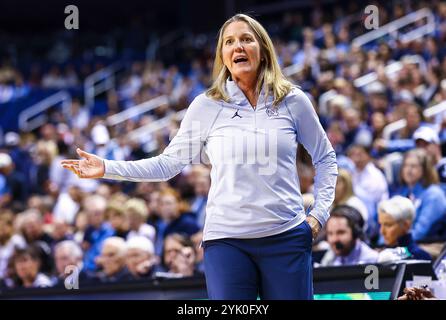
274,267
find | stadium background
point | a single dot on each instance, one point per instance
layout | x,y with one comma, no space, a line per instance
139,65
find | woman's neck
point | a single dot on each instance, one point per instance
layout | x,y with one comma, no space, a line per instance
248,87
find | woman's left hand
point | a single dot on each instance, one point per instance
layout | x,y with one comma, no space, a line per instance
315,226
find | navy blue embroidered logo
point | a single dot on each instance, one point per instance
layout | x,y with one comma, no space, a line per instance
236,114
272,112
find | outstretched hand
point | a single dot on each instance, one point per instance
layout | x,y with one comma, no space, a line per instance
90,167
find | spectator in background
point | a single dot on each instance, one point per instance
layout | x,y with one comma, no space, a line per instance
118,219
27,269
104,190
414,117
43,155
61,231
8,240
172,218
427,138
357,132
31,225
68,254
97,231
59,180
140,257
112,261
420,184
344,233
377,99
344,195
103,146
410,136
80,226
201,184
378,122
5,191
154,205
53,79
396,216
19,155
137,214
70,76
68,204
369,184
14,184
179,255
184,262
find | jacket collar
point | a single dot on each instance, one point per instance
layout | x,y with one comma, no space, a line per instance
405,240
238,98
417,190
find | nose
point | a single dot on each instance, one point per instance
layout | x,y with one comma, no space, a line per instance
333,240
238,46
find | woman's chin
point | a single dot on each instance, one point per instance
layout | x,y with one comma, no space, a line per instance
243,72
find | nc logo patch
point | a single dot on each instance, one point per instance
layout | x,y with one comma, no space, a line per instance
272,112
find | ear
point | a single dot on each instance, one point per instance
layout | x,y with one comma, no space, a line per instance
406,224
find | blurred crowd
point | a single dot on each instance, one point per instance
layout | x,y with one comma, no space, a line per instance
390,200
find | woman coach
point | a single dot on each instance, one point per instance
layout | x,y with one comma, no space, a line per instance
257,238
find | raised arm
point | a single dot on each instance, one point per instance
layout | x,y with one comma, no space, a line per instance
184,148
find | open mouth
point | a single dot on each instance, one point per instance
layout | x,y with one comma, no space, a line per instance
240,59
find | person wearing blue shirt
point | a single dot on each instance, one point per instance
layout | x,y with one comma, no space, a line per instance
172,220
96,232
420,184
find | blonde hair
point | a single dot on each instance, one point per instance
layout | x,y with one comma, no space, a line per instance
138,206
430,175
344,176
270,75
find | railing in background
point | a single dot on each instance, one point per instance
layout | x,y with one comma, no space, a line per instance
154,126
144,134
33,117
137,110
390,70
99,82
293,69
392,28
400,124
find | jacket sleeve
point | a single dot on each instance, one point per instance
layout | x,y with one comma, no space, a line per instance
313,137
184,148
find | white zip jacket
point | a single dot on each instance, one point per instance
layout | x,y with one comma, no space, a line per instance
255,189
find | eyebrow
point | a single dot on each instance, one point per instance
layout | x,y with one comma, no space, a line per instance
243,34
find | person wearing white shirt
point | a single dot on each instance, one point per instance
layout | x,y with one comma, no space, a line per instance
257,237
369,184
